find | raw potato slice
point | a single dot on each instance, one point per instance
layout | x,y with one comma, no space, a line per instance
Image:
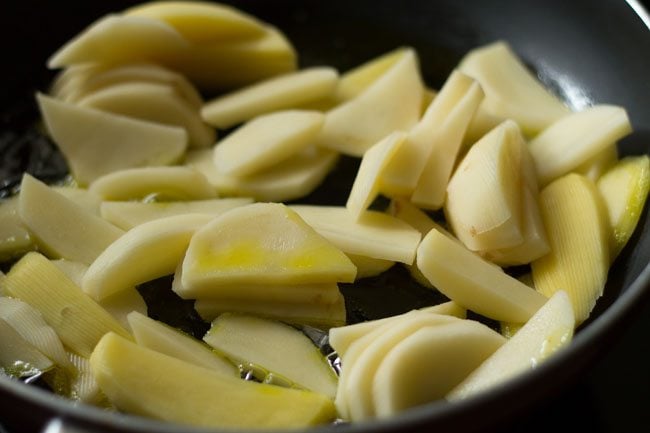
146,252
15,239
61,227
320,315
376,234
128,214
433,143
143,382
80,196
282,92
484,195
99,77
153,102
78,320
368,181
574,139
427,364
162,338
176,183
201,23
511,91
577,226
368,266
291,179
31,326
217,67
625,190
276,347
262,243
342,337
354,126
119,39
549,330
597,165
266,141
19,358
95,143
358,79
467,279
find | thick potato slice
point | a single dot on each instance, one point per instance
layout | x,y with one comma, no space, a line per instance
376,235
266,141
60,227
291,179
369,266
176,183
511,91
354,126
286,91
144,382
154,102
262,243
95,142
474,283
597,165
549,330
146,252
574,139
274,346
201,22
577,227
118,39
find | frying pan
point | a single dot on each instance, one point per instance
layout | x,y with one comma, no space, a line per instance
586,52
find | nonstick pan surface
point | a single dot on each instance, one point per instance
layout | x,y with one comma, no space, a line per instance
586,52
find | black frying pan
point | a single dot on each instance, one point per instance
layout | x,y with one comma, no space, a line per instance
587,52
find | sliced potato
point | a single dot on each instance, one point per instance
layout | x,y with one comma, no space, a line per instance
369,266
597,165
15,239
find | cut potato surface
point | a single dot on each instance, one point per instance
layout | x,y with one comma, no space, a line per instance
285,91
15,239
368,266
174,183
262,243
146,252
63,228
95,142
266,141
147,383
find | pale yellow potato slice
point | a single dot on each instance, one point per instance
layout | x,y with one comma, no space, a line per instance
548,331
162,338
81,196
320,315
369,266
262,243
266,141
274,346
61,227
340,338
18,357
201,22
369,178
625,189
146,252
574,139
218,67
511,91
577,227
291,179
154,102
376,234
78,320
286,91
15,239
128,214
118,39
176,183
484,195
474,283
597,165
354,126
426,159
95,143
144,382
445,353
